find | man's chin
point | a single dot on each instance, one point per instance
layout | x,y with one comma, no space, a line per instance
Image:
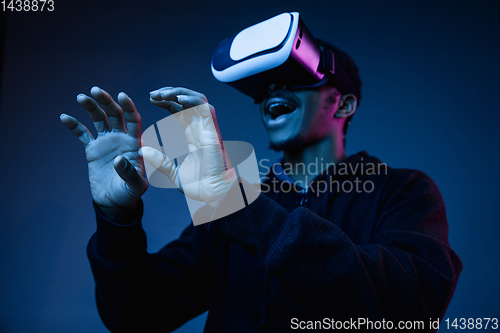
295,144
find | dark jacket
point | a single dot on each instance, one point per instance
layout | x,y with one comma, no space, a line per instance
335,251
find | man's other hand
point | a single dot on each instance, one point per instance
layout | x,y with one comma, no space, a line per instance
206,173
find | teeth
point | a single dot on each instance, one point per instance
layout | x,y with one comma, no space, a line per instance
278,104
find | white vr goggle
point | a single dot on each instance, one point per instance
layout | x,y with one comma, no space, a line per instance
280,50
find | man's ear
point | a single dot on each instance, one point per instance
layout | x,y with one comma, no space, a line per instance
347,106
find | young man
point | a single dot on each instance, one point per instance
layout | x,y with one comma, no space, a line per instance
347,244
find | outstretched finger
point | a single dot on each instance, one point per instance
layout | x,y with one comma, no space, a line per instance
188,101
156,94
113,110
171,106
95,112
132,117
135,181
161,163
77,128
171,94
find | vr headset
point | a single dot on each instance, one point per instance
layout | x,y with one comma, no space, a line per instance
280,50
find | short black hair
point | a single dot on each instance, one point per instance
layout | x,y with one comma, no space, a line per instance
350,67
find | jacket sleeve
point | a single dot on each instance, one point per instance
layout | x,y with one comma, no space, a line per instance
141,292
408,271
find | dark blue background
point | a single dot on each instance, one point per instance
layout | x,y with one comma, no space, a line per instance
430,71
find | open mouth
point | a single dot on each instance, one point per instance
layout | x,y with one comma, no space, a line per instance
277,109
280,105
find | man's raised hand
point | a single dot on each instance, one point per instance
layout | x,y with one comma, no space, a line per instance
116,171
206,173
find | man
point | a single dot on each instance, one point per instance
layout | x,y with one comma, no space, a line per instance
345,245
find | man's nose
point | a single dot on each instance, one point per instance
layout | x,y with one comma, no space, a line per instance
272,88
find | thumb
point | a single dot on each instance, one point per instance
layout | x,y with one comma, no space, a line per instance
161,163
136,182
